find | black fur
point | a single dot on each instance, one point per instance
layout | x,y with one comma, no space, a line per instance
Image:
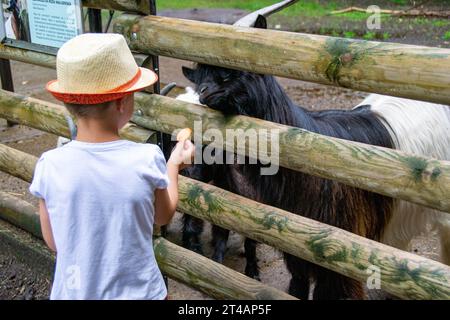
245,93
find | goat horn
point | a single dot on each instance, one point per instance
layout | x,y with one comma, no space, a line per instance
250,19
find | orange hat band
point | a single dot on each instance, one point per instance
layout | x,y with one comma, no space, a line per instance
128,84
100,97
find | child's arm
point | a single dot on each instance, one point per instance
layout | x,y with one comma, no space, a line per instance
166,199
45,225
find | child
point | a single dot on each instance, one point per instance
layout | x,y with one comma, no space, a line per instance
100,195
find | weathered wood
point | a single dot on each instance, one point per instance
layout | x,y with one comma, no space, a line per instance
47,60
178,263
138,6
20,213
27,56
388,68
420,180
17,163
210,277
389,172
416,179
51,117
401,273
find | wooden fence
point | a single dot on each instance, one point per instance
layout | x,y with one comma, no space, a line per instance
401,70
408,71
325,245
178,263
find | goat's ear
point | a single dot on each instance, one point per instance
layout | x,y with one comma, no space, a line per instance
261,22
189,73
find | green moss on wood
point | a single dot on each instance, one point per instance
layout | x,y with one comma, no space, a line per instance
271,220
356,254
403,273
160,249
418,166
373,258
318,246
194,195
292,134
435,174
214,204
341,55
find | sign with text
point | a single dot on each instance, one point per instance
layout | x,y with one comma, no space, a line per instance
47,23
53,22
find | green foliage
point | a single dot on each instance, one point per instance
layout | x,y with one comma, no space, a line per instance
369,35
400,2
301,8
356,15
334,33
441,23
421,20
359,16
349,34
386,36
446,35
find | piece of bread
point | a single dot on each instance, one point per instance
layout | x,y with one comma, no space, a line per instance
184,134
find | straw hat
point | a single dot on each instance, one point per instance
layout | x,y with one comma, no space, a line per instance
97,67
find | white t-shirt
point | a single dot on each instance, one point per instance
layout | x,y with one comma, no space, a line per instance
100,199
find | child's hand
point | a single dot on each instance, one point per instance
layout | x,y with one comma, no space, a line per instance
183,154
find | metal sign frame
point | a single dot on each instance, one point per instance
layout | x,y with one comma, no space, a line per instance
152,62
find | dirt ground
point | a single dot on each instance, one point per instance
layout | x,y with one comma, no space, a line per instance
18,281
409,30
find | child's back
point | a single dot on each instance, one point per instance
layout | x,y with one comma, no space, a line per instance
100,199
99,196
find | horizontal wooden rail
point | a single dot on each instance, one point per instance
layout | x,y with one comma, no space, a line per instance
403,274
180,264
394,69
435,86
20,213
18,54
417,179
210,277
51,117
42,59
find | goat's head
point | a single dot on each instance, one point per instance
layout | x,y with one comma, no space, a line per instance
232,91
226,90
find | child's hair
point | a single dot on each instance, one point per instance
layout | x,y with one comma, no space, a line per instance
88,110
